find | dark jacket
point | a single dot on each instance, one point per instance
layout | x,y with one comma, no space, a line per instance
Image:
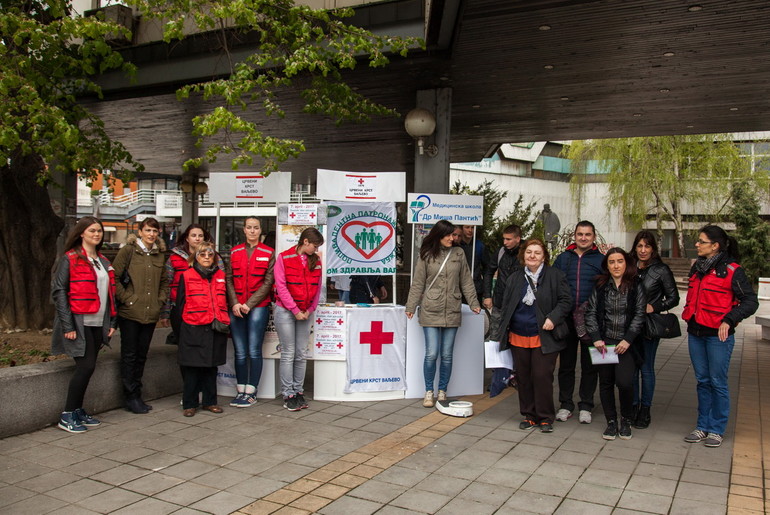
581,271
659,286
199,345
615,315
66,321
746,303
480,263
143,299
364,287
552,300
505,262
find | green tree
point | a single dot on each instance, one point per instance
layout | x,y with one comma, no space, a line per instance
751,232
661,176
490,233
49,58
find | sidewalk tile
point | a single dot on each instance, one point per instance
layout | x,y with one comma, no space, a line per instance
378,491
350,505
703,493
34,505
652,503
222,503
420,500
524,501
151,484
110,500
693,507
595,493
573,507
460,506
147,506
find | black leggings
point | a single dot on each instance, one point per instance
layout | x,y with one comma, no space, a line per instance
84,369
622,377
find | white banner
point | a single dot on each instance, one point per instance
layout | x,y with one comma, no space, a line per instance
303,214
249,187
362,238
376,186
376,350
429,208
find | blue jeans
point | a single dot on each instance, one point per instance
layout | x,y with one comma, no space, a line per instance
345,296
248,333
645,374
711,360
435,337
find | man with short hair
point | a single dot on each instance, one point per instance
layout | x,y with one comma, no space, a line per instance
505,262
479,262
581,262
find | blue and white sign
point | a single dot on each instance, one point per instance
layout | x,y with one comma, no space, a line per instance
429,208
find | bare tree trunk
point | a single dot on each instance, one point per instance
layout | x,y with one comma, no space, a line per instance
28,232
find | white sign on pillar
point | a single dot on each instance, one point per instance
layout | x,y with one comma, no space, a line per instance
254,187
364,186
429,208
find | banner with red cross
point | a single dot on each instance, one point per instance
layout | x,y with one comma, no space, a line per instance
330,333
376,350
362,238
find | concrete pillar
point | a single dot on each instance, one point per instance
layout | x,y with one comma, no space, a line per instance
189,204
431,174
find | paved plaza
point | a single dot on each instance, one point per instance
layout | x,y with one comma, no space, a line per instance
398,457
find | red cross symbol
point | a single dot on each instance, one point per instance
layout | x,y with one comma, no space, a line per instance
376,338
319,345
292,215
311,215
340,321
318,321
339,345
360,182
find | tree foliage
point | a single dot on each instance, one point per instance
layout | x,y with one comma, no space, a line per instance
47,60
751,232
523,213
664,176
294,46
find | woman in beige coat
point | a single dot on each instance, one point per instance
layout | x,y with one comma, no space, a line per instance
441,278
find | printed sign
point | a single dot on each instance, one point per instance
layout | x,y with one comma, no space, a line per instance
249,186
429,208
377,354
362,239
376,186
303,214
330,333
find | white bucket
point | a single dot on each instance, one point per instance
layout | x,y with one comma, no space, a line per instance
764,288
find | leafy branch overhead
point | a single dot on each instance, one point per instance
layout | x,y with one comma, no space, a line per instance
47,59
289,46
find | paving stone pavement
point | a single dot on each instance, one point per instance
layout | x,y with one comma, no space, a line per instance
397,457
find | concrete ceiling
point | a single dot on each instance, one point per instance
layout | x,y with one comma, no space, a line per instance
519,70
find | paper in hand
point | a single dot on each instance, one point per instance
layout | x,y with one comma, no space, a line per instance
607,358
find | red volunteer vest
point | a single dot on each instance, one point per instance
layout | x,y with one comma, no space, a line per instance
710,298
301,282
204,299
83,293
249,274
180,266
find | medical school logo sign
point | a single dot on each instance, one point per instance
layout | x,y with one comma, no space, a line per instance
362,238
429,208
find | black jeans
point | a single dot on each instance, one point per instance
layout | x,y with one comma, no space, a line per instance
199,380
135,340
622,376
84,369
588,373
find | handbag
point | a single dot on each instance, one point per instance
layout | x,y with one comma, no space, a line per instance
220,327
579,318
662,325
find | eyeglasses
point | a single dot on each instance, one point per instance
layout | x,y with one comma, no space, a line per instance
701,242
206,253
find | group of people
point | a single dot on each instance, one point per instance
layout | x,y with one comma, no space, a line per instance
586,301
202,299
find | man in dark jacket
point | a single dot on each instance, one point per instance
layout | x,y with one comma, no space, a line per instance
581,262
504,262
477,260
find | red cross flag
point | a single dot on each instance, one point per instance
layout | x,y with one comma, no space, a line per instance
376,350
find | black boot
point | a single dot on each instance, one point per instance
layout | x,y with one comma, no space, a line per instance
135,405
642,418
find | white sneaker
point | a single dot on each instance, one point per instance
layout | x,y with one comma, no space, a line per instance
563,414
584,416
441,396
428,401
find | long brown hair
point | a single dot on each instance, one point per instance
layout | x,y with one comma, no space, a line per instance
627,281
182,243
74,239
314,236
431,245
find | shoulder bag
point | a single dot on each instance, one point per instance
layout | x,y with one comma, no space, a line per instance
661,325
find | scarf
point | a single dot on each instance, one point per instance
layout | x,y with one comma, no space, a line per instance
529,297
206,273
703,265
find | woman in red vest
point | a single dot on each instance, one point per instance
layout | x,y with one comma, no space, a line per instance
178,262
298,286
199,318
83,291
719,296
249,285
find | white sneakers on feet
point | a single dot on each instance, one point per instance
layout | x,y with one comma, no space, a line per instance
584,416
441,396
428,401
563,414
